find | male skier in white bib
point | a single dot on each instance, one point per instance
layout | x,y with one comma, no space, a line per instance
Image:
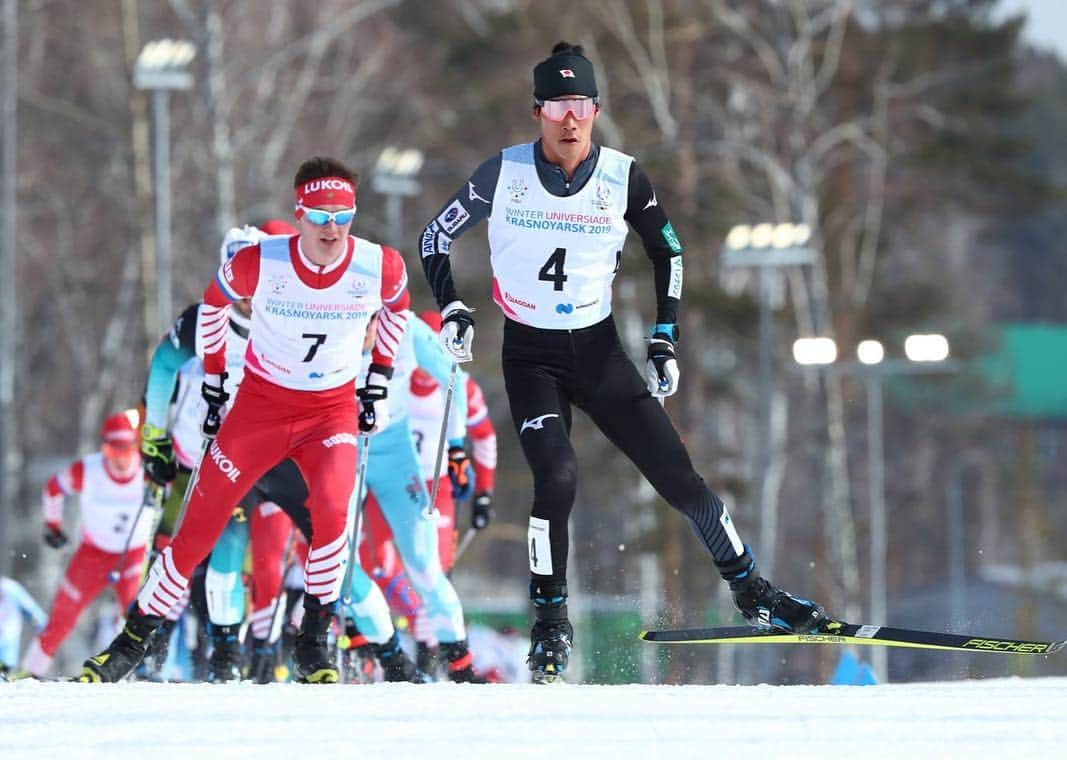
313,296
558,212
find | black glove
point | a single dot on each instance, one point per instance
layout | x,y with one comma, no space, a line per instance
374,414
214,392
55,537
459,472
481,510
661,368
157,454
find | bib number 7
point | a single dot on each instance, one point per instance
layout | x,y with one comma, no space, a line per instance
317,340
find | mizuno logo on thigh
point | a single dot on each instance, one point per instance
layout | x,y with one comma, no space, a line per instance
537,423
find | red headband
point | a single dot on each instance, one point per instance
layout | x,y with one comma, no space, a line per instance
325,191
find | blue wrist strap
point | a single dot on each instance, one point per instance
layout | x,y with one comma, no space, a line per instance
667,329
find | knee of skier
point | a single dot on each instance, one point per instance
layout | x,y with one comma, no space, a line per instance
556,483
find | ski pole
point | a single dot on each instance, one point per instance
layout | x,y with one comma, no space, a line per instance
190,485
153,497
210,428
463,544
356,502
441,439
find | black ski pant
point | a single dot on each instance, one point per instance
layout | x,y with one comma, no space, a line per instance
284,485
548,371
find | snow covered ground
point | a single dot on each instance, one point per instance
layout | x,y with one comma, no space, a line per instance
972,719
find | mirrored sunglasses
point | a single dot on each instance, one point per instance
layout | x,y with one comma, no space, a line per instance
557,110
319,217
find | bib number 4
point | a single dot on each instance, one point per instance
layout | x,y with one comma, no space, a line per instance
552,271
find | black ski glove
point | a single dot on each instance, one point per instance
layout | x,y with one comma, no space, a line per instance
214,392
374,414
481,510
55,537
157,453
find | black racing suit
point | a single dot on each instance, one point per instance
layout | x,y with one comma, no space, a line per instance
546,371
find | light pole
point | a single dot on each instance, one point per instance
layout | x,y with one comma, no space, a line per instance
926,354
8,313
766,247
395,177
160,68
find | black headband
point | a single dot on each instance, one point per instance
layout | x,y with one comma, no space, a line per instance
564,74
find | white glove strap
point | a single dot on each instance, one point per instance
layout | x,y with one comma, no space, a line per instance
377,378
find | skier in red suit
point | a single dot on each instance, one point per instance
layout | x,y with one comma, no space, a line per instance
113,537
313,296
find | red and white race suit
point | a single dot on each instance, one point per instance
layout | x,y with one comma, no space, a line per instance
297,399
109,505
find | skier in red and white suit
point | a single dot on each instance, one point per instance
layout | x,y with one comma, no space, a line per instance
313,295
111,488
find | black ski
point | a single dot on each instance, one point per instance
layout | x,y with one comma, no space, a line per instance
846,633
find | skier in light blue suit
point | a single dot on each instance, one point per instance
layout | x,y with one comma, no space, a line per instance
16,604
394,477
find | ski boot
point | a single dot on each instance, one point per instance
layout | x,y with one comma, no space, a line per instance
224,664
287,643
264,661
312,662
355,654
766,606
552,634
155,659
460,662
426,659
124,653
396,665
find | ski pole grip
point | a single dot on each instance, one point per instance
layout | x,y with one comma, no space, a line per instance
212,421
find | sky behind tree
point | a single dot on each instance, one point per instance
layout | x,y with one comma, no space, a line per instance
1046,25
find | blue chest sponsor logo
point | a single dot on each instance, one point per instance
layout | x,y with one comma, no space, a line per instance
564,308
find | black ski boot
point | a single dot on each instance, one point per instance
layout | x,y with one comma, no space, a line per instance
552,635
155,659
224,664
426,659
312,661
124,653
766,606
357,659
396,665
460,664
264,660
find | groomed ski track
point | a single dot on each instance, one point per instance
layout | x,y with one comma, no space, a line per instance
1016,718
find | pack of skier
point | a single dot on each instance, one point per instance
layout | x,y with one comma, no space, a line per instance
303,365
